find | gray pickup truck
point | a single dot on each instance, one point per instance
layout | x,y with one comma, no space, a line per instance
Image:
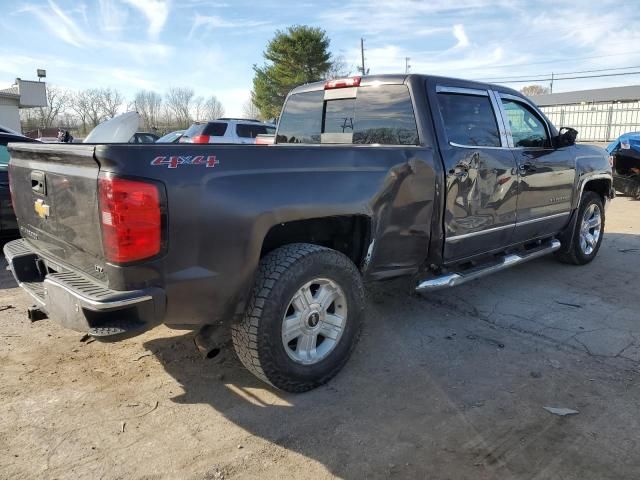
370,178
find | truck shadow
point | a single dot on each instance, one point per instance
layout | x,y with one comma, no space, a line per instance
6,278
431,391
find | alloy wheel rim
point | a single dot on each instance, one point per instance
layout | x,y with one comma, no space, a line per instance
590,229
314,321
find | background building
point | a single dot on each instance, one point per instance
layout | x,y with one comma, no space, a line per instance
599,115
24,94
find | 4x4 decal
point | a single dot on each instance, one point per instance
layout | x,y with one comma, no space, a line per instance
175,160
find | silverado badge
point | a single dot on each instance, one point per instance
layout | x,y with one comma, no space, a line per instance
41,208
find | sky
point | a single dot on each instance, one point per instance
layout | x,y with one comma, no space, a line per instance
211,45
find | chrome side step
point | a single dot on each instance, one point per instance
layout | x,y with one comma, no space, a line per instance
454,279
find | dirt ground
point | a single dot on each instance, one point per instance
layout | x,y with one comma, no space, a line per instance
451,386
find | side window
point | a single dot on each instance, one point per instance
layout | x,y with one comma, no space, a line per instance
527,128
215,129
469,120
301,120
246,130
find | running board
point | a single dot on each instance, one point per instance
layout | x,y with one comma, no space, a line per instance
454,279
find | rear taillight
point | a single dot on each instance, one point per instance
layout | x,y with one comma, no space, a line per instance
131,218
200,139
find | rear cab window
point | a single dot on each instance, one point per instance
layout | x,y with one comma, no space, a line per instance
376,114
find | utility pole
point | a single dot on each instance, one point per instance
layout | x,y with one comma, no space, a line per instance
407,67
362,55
551,89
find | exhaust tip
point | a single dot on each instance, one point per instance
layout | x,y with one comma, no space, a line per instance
211,340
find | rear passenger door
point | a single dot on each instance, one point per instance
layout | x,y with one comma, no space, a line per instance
481,177
546,175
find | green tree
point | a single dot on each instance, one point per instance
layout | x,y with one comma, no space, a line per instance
293,57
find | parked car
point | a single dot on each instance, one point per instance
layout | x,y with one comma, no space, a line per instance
227,130
439,179
143,137
625,158
172,137
8,223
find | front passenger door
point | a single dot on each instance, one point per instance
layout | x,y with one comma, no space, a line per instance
546,175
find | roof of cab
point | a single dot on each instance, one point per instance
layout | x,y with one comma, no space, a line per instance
391,79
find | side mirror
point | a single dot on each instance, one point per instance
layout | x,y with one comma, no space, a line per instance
566,137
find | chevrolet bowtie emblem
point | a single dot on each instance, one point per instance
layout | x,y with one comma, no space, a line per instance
41,208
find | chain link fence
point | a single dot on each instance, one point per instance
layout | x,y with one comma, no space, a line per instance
596,122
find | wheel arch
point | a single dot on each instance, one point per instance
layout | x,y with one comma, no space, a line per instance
348,234
602,184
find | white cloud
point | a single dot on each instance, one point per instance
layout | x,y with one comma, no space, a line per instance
156,11
461,36
58,23
211,22
62,26
112,16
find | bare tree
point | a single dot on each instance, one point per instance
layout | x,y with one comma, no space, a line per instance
249,110
213,108
338,68
88,105
198,108
110,102
57,101
149,105
179,102
532,90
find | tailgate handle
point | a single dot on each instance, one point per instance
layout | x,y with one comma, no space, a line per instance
38,183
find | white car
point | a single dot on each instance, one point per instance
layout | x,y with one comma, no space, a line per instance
227,130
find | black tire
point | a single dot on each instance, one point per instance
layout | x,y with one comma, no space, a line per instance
571,252
257,336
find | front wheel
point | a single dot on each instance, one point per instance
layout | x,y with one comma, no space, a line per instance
587,236
303,317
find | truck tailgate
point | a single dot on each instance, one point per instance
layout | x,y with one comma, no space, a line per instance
54,188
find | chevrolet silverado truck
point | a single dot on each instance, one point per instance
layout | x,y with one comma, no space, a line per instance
370,178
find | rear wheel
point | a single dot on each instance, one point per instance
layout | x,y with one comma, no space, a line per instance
303,318
583,246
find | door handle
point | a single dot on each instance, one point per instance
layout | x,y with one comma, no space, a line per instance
527,167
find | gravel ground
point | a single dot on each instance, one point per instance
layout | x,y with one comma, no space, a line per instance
450,386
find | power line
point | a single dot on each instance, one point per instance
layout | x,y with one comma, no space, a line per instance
561,73
563,60
545,79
